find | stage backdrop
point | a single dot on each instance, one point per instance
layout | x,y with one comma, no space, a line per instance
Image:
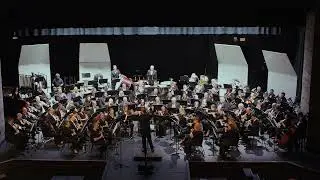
172,56
94,59
35,59
281,75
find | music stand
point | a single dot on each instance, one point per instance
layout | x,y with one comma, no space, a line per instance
183,102
194,100
127,93
165,101
227,86
200,95
141,96
119,164
103,81
63,101
93,82
157,107
113,93
114,107
176,141
131,106
99,94
189,110
152,97
173,110
207,86
79,85
76,99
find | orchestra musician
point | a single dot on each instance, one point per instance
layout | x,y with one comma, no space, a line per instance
115,76
97,136
145,129
151,75
194,135
229,137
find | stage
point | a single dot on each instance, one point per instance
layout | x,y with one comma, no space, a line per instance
165,164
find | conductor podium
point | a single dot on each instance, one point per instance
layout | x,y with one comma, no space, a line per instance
149,156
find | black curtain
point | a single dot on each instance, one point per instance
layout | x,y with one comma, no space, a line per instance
64,59
172,56
9,63
257,69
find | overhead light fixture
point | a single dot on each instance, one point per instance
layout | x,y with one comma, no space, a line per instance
242,39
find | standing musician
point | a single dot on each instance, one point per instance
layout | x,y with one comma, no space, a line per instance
145,129
115,76
151,75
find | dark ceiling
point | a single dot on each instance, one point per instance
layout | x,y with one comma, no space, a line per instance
27,15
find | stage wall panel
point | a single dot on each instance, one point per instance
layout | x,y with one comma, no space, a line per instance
94,58
281,75
231,64
35,59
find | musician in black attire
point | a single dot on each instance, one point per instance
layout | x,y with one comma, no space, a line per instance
115,74
151,75
145,130
229,137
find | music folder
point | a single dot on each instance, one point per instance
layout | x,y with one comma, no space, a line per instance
113,92
114,107
127,93
165,101
157,107
173,110
194,100
151,97
99,94
208,86
182,102
141,96
102,81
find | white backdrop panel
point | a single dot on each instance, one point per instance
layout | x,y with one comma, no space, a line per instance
94,58
35,59
231,64
281,75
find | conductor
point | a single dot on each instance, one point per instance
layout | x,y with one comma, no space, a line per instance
145,130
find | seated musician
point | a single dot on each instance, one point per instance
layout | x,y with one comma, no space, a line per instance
185,88
53,118
30,109
184,96
229,137
174,103
28,115
82,114
193,78
155,92
93,109
26,125
110,102
126,119
69,130
97,135
192,138
70,105
16,135
40,105
240,111
157,101
198,89
121,93
124,87
87,101
203,103
141,103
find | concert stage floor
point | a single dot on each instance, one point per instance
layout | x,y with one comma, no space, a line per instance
169,166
